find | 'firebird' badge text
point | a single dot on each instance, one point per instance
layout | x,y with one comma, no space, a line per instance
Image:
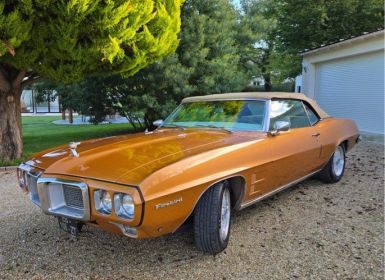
169,203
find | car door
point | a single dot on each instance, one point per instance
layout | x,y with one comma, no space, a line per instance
295,153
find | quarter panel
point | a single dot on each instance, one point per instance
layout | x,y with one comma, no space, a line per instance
334,131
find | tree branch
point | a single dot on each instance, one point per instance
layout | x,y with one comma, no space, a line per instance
19,78
30,81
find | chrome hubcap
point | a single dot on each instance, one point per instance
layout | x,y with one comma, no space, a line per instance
338,161
225,215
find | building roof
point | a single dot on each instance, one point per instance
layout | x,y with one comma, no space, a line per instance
344,42
258,95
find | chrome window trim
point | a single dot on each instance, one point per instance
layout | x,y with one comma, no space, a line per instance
51,207
267,117
311,108
307,114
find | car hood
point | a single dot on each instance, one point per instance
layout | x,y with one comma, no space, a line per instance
113,158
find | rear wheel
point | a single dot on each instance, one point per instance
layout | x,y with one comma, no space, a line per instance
212,219
334,169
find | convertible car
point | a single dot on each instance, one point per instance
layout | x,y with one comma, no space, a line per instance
213,155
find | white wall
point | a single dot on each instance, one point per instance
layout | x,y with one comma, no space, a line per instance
360,45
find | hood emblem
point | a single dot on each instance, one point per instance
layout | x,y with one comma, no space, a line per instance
72,146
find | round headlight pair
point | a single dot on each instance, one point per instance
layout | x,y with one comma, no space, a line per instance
103,202
124,205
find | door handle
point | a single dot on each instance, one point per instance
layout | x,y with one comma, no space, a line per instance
316,134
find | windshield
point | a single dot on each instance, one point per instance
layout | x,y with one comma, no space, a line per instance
247,115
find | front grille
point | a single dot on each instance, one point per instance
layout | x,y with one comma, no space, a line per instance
73,196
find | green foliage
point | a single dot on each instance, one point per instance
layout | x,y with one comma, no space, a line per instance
306,24
273,32
256,37
67,40
209,47
206,61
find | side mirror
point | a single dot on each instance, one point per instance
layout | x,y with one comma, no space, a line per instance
158,123
280,126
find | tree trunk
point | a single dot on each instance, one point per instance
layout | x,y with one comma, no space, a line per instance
71,116
265,69
11,145
267,79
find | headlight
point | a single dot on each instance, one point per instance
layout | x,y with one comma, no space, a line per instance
124,205
103,202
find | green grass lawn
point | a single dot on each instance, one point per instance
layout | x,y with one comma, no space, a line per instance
40,133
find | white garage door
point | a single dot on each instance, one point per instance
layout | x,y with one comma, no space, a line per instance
353,88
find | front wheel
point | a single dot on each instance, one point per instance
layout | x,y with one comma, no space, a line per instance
335,168
212,219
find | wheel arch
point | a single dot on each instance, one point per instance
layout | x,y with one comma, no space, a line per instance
345,144
237,189
237,184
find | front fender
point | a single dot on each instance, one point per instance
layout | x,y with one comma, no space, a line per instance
171,193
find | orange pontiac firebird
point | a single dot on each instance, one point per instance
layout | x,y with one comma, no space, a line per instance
212,155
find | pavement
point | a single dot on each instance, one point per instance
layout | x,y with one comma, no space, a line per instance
86,120
311,231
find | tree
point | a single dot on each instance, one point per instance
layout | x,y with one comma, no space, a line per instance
307,24
68,40
209,47
206,61
255,36
273,32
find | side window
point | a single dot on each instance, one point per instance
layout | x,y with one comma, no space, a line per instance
291,111
312,115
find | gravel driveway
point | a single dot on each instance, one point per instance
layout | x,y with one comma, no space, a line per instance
311,231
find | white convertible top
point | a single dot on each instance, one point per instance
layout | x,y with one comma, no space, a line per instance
258,95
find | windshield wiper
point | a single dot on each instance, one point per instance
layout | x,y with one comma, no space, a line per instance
217,127
174,126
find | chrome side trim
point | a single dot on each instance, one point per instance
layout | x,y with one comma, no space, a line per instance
279,189
52,199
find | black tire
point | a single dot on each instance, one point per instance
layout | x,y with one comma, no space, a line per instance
328,174
207,219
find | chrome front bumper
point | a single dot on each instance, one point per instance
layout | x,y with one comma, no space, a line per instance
57,197
54,198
